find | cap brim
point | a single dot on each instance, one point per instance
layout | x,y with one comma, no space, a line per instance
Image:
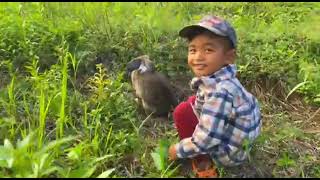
190,30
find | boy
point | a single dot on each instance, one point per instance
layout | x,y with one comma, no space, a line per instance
223,117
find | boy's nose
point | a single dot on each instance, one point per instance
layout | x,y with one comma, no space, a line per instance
198,56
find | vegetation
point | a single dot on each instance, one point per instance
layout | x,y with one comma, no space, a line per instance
67,109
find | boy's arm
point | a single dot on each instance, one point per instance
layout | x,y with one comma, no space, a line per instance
210,130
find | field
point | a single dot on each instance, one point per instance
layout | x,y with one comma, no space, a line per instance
67,110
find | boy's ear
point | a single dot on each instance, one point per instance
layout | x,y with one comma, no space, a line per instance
231,56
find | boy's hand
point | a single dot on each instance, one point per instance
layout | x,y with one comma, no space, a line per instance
172,153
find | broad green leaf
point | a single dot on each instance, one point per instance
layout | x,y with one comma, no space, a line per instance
3,163
82,172
160,155
106,173
73,155
157,161
35,168
10,162
163,149
25,142
49,171
55,143
43,160
5,153
7,144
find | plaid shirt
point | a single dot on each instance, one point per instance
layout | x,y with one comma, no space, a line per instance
228,115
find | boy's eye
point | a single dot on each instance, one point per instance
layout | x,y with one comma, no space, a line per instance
209,50
192,50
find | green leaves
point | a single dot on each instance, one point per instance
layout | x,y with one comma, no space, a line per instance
106,173
297,87
285,161
26,160
160,155
160,159
82,172
86,167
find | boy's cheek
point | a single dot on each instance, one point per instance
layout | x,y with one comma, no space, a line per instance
189,65
189,62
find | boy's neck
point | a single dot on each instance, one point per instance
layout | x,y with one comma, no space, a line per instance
211,74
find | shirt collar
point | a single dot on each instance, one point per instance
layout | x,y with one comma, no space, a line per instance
227,72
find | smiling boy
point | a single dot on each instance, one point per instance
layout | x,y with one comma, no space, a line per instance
214,124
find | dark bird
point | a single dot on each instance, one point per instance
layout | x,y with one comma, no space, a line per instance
152,89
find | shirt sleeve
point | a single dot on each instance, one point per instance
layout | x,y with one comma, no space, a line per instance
209,131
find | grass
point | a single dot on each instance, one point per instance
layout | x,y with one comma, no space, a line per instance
68,111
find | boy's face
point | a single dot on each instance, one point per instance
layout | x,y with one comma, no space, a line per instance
207,55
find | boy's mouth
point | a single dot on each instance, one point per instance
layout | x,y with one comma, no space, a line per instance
199,66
